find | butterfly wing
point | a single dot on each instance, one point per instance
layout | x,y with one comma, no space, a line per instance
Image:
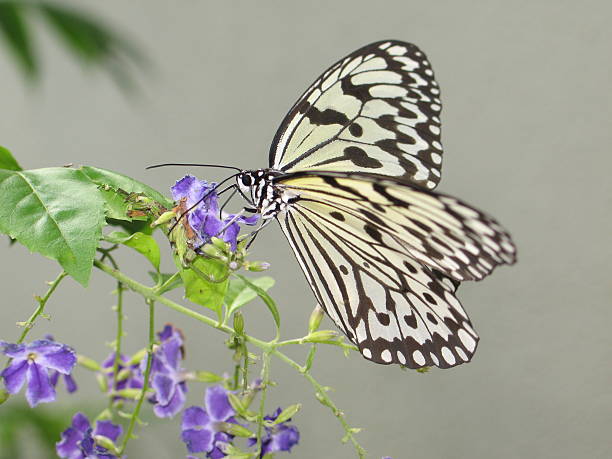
376,111
383,259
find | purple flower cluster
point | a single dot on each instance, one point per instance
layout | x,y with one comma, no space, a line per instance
205,219
167,377
79,440
32,363
202,428
280,437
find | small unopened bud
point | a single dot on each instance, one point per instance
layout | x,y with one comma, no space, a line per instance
164,218
256,266
133,394
205,376
107,443
4,395
236,403
288,413
315,319
320,336
239,323
88,363
220,244
102,382
212,251
137,358
235,429
124,374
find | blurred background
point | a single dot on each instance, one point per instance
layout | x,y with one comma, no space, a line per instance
526,91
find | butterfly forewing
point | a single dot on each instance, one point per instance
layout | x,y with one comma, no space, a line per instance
375,111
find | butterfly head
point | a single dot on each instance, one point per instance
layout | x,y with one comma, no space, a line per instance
258,188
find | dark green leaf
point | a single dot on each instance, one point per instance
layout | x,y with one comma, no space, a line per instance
7,161
142,243
239,293
198,285
57,212
119,181
136,226
266,299
14,28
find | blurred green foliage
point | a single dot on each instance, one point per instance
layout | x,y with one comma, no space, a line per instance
89,40
40,427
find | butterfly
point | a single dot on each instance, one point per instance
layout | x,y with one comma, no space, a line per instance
350,178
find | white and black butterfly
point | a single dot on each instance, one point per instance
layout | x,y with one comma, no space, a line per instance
350,175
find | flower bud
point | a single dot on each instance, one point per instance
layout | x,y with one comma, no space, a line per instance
124,374
88,363
320,336
133,394
315,319
205,376
107,443
164,218
102,382
220,244
137,358
236,403
288,413
239,323
256,266
212,251
234,429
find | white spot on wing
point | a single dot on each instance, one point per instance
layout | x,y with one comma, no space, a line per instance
386,355
418,357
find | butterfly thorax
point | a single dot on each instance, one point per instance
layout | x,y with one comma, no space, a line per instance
267,197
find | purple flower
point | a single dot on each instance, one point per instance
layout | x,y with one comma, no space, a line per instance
69,381
167,377
78,440
200,430
280,437
32,362
134,379
205,219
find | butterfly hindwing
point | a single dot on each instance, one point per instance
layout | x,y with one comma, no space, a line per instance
394,315
375,111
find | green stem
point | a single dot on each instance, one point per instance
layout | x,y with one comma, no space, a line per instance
150,294
42,302
265,380
147,373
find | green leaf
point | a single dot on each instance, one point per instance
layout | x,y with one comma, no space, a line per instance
115,204
198,285
163,278
239,293
120,181
266,299
135,226
14,28
142,243
57,212
7,161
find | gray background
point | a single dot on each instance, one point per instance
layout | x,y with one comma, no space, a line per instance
526,90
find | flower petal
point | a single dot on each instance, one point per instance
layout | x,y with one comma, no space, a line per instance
174,405
164,388
195,417
68,446
108,429
285,439
15,375
15,351
80,422
71,385
198,441
39,388
62,360
217,403
172,352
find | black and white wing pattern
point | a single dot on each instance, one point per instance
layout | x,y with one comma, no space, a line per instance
383,259
375,111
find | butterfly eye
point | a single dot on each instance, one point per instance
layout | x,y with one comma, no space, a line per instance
246,180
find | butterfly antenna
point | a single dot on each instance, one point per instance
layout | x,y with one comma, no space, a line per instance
217,186
220,166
